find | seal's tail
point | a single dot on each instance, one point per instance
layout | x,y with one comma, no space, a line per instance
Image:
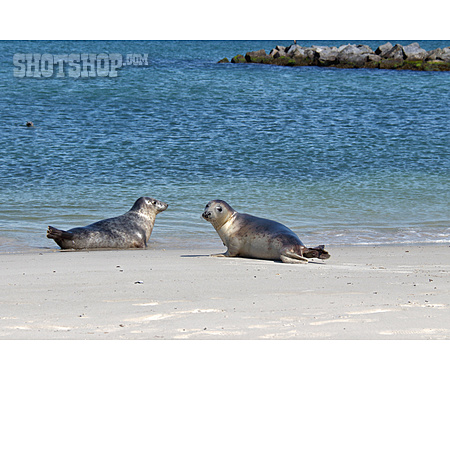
54,233
316,252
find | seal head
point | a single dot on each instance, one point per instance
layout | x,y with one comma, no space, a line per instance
217,213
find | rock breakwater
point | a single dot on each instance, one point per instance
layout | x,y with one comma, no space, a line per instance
351,56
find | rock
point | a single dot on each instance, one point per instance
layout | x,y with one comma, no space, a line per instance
295,50
253,56
386,56
414,52
238,59
286,61
275,53
446,54
437,65
434,54
365,48
326,56
383,49
390,64
373,61
353,55
396,53
439,55
224,60
310,53
373,57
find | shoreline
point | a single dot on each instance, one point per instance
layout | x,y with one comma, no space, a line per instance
370,292
211,247
360,236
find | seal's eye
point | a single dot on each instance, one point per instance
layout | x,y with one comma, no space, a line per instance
153,202
219,208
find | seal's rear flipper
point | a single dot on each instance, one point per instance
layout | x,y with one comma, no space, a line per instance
54,233
292,258
316,252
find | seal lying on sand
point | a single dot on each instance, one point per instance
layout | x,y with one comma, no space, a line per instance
253,237
130,230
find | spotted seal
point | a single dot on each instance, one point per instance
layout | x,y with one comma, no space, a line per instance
130,230
253,237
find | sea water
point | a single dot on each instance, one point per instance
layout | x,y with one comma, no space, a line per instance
341,156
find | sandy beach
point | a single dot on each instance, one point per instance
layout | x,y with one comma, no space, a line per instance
383,292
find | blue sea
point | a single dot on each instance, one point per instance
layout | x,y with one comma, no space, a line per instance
341,156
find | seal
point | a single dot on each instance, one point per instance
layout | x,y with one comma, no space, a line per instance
254,237
29,124
130,230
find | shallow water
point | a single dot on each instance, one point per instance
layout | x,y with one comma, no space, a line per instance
340,156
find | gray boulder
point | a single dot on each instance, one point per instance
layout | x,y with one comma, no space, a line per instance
365,48
295,50
396,53
354,55
383,49
275,53
238,59
414,52
440,54
251,56
326,56
446,54
310,53
434,54
373,57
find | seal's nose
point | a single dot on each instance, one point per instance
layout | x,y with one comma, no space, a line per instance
205,215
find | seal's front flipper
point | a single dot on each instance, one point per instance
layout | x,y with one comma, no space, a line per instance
54,233
316,252
219,254
227,254
292,258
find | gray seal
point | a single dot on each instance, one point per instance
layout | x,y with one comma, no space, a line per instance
253,237
130,230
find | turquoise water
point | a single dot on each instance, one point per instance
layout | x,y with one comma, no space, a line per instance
340,156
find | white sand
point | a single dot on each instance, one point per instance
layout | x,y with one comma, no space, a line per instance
385,292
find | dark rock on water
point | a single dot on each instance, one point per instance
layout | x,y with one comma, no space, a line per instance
386,56
255,57
238,59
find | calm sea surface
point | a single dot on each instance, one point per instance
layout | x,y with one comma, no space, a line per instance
340,156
